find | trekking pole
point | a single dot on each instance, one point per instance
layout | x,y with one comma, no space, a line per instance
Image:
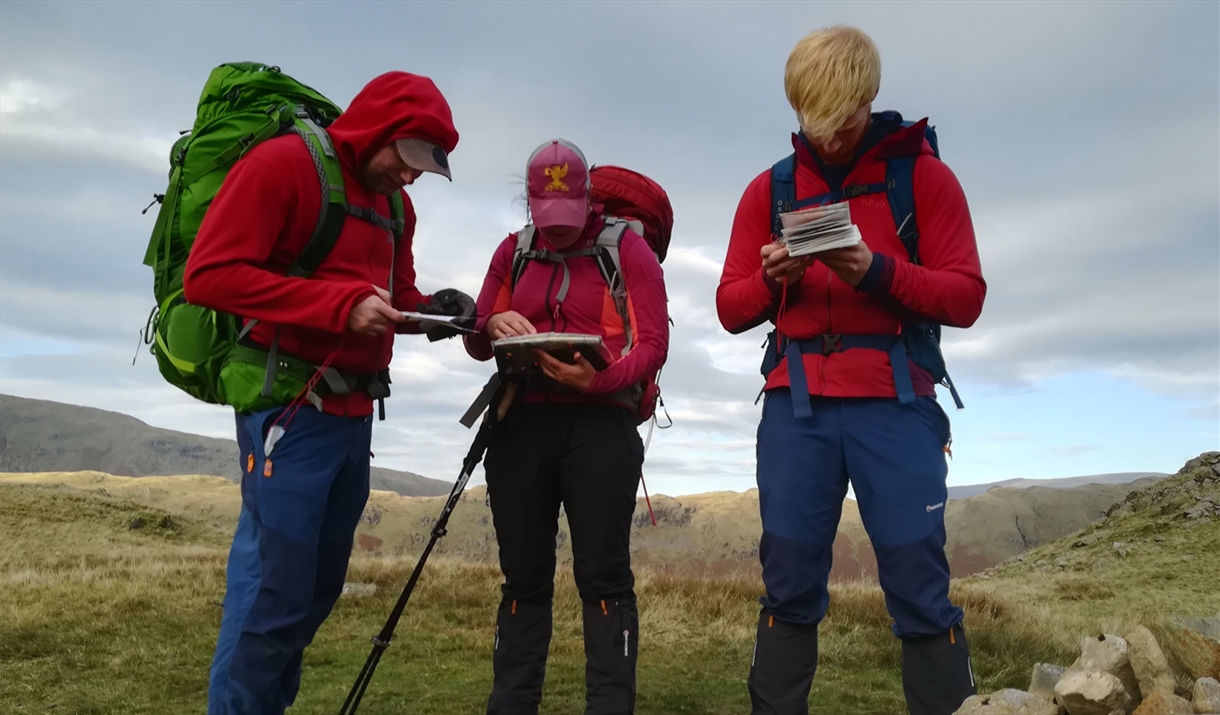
381,641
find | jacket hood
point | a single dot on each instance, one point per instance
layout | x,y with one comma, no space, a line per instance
394,105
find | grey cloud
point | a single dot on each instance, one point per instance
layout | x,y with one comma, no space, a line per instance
1085,142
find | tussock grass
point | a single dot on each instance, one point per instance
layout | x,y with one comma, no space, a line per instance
100,617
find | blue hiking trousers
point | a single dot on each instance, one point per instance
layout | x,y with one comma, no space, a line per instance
893,456
289,554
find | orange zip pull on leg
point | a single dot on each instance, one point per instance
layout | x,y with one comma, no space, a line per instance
267,468
513,611
770,621
952,640
604,611
250,463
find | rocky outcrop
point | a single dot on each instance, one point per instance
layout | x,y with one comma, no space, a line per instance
1008,702
1114,675
1149,663
1092,693
1195,645
1206,696
1164,704
1107,653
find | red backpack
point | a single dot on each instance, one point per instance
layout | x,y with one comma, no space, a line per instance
637,198
627,199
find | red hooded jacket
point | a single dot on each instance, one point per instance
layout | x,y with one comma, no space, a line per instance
266,210
947,287
588,308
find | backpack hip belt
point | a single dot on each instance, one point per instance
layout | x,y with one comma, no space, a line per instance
792,349
294,373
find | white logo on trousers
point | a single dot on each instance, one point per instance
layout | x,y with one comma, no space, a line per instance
934,507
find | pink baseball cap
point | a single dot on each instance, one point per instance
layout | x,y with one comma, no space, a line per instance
558,181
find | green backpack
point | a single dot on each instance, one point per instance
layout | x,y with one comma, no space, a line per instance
200,350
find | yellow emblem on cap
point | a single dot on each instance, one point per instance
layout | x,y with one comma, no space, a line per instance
556,174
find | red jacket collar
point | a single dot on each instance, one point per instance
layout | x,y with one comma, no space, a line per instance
906,141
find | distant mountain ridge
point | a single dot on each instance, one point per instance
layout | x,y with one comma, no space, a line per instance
969,490
46,436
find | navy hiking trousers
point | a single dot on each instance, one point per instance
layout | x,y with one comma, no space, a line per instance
893,456
289,554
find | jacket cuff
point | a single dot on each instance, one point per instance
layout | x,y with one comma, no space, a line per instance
772,285
879,277
777,289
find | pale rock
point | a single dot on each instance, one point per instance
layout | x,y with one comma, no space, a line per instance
1008,702
1107,653
1044,677
359,590
1207,696
1092,693
1149,663
1164,704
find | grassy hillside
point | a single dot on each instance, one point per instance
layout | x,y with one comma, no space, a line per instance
101,617
1154,555
45,436
112,603
709,534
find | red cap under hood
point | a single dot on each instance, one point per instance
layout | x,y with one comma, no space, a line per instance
395,105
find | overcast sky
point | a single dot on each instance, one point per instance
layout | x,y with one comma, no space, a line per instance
1085,136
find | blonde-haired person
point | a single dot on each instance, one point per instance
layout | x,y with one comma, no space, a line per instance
851,373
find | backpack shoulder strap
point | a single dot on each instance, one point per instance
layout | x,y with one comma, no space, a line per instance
783,190
334,209
900,177
525,241
398,216
610,263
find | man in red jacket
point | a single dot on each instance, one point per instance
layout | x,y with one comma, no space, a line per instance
306,471
849,397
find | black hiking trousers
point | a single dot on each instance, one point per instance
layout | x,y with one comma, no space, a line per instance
587,458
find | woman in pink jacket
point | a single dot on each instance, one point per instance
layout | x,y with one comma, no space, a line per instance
571,439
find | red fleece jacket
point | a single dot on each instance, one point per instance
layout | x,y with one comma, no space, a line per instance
588,307
947,287
266,210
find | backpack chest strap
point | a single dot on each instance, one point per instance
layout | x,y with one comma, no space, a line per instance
553,257
605,251
393,226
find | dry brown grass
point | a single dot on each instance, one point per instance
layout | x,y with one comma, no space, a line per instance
99,618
